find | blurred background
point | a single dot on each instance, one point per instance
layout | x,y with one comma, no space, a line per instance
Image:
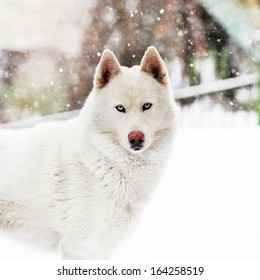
207,204
49,50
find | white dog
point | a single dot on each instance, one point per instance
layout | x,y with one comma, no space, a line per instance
78,186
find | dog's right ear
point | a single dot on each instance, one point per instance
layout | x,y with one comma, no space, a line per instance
107,68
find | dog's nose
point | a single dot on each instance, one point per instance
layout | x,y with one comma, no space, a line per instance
136,137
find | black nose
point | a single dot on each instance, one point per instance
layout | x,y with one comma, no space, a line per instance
136,139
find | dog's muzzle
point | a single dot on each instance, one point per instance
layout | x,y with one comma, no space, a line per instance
136,139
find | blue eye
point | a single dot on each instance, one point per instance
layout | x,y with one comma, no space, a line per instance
120,108
147,106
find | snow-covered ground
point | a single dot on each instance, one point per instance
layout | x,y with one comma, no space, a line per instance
207,204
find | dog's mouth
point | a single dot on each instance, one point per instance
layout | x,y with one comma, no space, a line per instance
136,146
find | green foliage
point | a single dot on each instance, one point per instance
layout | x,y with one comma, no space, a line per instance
192,71
224,64
45,100
258,101
221,62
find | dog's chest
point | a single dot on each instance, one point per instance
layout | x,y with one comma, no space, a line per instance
122,194
118,193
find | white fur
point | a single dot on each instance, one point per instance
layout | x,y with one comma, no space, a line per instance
76,186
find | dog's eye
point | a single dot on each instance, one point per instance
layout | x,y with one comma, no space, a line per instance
120,108
147,106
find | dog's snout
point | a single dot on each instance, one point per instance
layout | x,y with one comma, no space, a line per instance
136,138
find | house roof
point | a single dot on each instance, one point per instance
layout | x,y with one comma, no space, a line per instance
239,18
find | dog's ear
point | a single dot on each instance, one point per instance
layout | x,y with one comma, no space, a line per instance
107,68
153,65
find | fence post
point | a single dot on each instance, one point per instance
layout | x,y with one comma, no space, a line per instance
258,101
255,52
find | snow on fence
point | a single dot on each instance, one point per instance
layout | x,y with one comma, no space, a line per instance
202,89
217,86
34,120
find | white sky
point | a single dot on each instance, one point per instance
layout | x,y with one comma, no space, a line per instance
28,24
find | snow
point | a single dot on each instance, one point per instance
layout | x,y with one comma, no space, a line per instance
207,203
217,86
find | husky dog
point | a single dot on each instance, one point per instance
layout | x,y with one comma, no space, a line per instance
78,186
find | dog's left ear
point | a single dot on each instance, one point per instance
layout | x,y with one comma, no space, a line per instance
153,65
107,68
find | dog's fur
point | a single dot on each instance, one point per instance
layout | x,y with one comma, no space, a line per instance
77,186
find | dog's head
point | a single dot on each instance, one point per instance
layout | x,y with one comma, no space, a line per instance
132,105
